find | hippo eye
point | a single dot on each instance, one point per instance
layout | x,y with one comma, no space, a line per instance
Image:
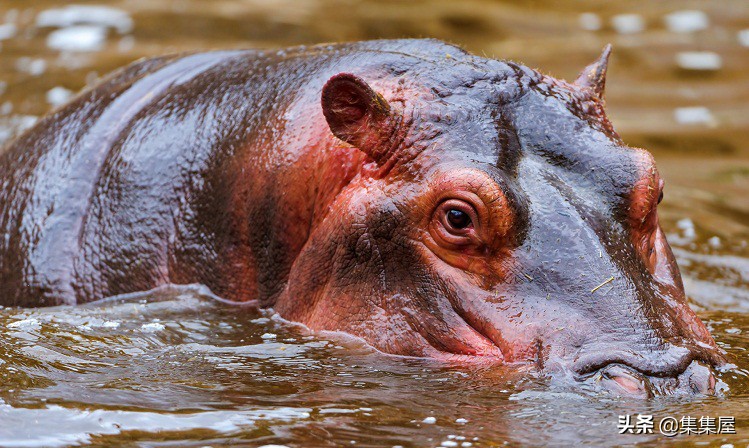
458,219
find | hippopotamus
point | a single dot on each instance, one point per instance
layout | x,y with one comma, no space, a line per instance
428,201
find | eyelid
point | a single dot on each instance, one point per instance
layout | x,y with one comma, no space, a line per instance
452,237
497,205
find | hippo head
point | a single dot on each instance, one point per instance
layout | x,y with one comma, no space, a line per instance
498,217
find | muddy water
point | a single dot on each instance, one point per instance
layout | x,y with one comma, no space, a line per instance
176,368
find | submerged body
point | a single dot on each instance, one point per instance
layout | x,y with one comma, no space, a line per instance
431,202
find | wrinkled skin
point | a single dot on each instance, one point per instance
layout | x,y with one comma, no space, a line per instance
431,202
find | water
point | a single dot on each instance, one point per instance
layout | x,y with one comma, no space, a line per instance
177,368
176,365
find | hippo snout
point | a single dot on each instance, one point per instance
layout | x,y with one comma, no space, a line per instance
625,381
691,374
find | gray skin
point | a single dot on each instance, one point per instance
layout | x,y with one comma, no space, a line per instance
431,202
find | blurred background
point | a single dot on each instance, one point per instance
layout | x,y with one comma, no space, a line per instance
678,81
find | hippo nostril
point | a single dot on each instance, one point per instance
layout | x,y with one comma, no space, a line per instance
699,378
626,381
678,370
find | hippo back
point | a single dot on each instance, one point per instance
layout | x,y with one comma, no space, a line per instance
181,169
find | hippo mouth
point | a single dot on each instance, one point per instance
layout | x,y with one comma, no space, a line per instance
677,371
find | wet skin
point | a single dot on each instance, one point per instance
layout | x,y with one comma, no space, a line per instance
428,201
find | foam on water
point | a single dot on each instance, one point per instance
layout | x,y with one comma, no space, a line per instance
86,14
78,38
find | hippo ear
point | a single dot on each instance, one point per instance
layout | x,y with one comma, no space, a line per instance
594,75
358,115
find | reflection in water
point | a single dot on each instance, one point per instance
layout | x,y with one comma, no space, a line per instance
183,366
177,367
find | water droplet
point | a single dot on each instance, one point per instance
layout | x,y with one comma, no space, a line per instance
81,38
687,21
628,23
589,21
699,60
152,327
58,95
694,115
